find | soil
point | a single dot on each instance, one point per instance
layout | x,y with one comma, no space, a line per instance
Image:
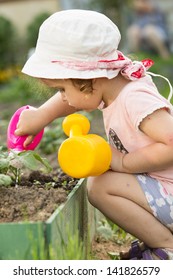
36,198
107,249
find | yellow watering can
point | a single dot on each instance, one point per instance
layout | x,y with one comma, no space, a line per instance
82,154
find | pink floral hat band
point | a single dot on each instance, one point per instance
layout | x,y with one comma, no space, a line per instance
131,70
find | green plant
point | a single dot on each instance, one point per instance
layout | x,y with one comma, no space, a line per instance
53,137
7,42
43,252
70,249
112,8
26,89
107,230
16,87
111,4
5,180
110,231
8,73
33,28
13,163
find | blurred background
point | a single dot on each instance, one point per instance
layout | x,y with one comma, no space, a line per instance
19,25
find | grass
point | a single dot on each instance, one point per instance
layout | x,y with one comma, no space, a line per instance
23,90
72,249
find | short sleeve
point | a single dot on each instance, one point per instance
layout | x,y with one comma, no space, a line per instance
141,104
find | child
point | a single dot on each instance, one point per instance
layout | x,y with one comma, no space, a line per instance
77,54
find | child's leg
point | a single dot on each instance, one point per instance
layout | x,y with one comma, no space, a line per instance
119,197
134,38
156,39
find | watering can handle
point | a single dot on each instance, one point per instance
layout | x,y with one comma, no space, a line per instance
76,125
15,142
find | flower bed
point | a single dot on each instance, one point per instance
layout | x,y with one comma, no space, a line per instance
25,235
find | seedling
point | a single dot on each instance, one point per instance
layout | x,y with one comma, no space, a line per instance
12,165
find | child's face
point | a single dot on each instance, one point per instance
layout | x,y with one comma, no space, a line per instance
73,96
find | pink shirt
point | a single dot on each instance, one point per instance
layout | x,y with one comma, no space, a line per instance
123,116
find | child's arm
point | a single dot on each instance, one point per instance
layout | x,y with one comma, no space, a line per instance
33,120
154,157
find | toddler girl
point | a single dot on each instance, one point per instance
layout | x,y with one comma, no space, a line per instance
77,54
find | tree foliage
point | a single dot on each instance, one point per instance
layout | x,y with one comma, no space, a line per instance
33,28
7,42
111,8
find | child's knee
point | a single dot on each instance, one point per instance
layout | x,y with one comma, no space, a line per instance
151,31
93,190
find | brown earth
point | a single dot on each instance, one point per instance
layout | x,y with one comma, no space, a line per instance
107,249
36,198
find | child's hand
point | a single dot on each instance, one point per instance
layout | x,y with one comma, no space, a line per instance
30,123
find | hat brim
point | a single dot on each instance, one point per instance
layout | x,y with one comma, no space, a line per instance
39,68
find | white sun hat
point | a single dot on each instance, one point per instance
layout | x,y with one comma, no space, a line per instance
75,44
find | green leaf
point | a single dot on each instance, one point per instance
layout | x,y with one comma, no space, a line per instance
4,163
30,159
105,231
43,161
113,255
5,180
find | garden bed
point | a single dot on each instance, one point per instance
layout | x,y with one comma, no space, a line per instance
37,220
36,198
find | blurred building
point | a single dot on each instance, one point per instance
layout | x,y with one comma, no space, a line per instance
22,12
